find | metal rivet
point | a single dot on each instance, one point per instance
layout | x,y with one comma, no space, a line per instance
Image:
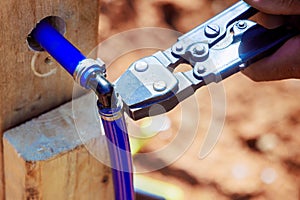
141,66
159,86
199,49
241,24
201,69
178,47
198,52
242,66
212,30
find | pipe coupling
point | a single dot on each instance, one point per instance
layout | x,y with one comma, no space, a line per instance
87,67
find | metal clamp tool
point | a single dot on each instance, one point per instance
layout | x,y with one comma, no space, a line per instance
215,50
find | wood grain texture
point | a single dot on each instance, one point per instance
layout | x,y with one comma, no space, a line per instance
45,158
22,94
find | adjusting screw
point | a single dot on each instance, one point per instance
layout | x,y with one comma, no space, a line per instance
212,30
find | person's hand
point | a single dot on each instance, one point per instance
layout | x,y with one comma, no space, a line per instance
285,62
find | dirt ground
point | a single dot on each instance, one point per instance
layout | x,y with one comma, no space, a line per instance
257,155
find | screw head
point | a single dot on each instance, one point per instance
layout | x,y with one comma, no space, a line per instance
159,86
141,66
212,30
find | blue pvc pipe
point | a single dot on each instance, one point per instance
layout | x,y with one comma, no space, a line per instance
119,149
57,46
115,127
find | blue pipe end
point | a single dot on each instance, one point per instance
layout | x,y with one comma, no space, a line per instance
52,40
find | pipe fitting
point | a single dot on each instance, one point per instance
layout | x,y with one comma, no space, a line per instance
86,68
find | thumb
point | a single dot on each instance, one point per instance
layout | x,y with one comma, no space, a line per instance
278,7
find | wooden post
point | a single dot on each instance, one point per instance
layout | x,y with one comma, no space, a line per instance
23,94
45,158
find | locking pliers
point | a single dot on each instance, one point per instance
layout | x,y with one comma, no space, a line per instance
216,49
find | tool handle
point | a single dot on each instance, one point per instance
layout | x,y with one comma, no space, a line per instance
258,42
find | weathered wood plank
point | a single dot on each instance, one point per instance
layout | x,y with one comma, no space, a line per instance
22,94
45,158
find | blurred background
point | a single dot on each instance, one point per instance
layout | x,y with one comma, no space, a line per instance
257,155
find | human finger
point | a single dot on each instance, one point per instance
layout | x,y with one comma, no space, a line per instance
283,64
269,21
278,7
